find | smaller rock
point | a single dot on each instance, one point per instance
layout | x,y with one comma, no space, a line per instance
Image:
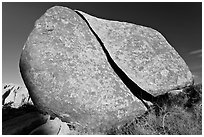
175,92
51,127
64,129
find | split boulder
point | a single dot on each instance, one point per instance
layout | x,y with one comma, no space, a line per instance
67,73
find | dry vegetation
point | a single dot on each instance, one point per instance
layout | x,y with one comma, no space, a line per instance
180,114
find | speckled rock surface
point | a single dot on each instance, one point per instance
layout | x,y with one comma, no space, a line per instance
67,73
143,54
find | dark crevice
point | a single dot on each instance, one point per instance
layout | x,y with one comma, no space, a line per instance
133,87
59,129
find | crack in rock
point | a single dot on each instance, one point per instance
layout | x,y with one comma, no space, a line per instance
134,88
143,54
96,73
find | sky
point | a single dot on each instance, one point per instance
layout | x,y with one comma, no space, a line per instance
179,23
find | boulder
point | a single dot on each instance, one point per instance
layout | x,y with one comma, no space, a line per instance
68,75
143,54
94,72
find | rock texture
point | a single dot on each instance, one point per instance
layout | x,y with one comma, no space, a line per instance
66,66
67,74
143,54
